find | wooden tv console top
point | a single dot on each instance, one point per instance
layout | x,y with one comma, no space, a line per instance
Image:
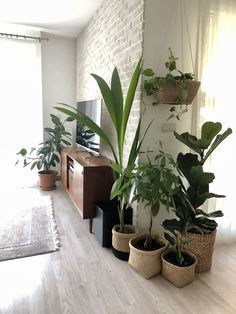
85,158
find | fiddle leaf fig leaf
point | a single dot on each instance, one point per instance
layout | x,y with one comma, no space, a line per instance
210,130
190,140
219,138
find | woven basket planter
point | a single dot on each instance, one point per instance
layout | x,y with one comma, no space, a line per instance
146,263
177,275
120,241
202,245
171,93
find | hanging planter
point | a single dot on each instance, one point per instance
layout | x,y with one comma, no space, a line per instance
176,88
177,92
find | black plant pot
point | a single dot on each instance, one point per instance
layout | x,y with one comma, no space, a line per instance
105,218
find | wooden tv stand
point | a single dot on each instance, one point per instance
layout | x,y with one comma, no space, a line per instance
87,180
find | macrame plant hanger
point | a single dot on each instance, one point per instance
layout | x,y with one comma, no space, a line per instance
171,94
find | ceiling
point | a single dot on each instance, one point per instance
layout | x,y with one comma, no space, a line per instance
61,17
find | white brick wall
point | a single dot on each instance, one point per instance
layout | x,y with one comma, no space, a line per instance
114,37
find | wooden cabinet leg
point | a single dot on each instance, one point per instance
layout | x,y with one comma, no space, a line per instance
90,225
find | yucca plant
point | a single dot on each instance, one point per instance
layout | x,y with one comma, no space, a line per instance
119,112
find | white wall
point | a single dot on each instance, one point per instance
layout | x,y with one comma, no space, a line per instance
58,75
162,29
113,37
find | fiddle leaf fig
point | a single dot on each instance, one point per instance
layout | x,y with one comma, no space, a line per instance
189,198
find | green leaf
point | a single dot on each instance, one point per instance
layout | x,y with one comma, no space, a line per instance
190,140
33,165
22,152
49,130
210,130
136,145
116,167
107,97
115,191
170,239
172,225
117,96
130,99
55,119
217,213
220,138
65,142
69,119
148,72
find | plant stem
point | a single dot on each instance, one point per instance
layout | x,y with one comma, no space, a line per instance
148,241
121,216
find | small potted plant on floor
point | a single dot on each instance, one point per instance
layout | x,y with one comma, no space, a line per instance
176,88
47,154
155,183
119,112
200,225
178,264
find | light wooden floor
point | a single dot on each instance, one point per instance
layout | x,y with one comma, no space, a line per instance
84,278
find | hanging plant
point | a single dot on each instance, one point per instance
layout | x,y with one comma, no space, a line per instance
176,88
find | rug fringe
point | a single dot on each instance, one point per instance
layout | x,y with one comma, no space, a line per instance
56,234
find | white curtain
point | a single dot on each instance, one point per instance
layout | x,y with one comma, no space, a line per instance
21,107
217,70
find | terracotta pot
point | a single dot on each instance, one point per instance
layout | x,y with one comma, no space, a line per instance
202,245
120,241
146,263
47,181
179,276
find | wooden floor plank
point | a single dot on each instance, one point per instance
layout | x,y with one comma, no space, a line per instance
82,277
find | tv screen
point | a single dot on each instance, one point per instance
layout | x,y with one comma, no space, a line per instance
84,136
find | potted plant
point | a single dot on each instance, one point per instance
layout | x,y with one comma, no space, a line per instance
47,155
199,225
155,184
178,264
176,88
119,112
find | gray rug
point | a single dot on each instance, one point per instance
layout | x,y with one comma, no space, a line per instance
27,226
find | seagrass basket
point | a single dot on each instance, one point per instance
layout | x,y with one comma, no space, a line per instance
146,263
177,275
170,93
202,245
120,241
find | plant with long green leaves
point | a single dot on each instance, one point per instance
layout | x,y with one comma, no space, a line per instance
119,112
47,154
155,184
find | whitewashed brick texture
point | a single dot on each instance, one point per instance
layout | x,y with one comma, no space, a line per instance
114,37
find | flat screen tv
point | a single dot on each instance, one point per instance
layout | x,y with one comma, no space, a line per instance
85,137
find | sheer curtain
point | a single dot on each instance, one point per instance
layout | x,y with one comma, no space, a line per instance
21,107
217,69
